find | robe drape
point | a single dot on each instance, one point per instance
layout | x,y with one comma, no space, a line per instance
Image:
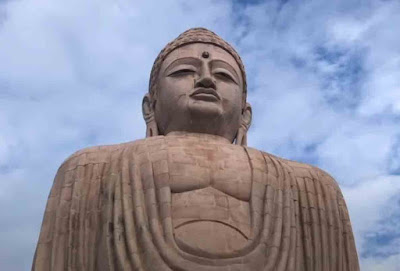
109,209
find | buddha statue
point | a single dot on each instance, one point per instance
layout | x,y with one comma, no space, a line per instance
192,195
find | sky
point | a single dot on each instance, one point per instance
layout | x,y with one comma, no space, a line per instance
323,81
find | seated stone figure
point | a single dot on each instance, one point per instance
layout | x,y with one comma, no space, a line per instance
192,195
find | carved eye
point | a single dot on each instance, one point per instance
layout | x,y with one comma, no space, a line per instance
182,72
224,76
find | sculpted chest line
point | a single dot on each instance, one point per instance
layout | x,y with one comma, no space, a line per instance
189,168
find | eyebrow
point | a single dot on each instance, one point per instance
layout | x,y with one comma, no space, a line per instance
185,60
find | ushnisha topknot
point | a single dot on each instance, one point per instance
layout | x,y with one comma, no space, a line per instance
194,35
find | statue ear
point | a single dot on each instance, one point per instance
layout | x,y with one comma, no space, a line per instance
241,137
148,115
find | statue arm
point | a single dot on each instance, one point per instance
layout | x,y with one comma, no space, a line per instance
350,252
325,229
72,213
347,252
43,254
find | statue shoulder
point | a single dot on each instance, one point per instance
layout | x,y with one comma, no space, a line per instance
98,154
106,153
303,170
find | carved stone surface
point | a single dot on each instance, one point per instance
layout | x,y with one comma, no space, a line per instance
192,196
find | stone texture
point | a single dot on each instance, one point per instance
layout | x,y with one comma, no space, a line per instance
189,196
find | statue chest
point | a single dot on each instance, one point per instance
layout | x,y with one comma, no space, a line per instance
210,193
224,167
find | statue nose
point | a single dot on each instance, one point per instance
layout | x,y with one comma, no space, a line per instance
205,82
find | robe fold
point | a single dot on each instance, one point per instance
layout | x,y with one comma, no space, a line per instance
110,209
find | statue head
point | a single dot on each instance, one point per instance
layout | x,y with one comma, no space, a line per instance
198,84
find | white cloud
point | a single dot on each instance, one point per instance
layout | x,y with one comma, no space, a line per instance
372,204
392,263
365,201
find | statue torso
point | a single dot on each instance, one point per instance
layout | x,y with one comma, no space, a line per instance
193,202
210,181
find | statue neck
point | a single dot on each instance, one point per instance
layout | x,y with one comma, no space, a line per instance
201,136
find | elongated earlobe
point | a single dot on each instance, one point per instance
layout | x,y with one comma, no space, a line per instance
241,137
148,115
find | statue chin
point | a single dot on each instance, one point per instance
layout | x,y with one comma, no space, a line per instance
204,109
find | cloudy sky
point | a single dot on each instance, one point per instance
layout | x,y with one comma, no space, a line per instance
324,82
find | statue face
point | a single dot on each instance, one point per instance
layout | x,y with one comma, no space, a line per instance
199,89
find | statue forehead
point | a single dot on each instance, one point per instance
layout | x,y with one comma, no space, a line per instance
196,50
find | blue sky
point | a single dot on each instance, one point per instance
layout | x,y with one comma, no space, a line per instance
323,76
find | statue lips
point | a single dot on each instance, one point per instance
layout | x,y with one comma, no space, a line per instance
205,94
